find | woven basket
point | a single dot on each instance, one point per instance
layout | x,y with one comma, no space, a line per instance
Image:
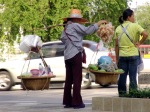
105,78
36,83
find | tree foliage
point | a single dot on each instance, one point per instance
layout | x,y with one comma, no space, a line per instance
38,16
142,17
106,9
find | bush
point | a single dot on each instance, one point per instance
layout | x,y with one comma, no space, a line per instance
140,93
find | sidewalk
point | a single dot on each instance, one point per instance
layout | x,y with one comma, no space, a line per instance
48,100
40,107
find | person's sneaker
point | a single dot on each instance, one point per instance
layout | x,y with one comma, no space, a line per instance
79,106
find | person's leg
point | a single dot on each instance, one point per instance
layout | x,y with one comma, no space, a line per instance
77,79
67,98
133,73
123,64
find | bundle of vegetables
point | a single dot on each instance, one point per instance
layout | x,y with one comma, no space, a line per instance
97,68
106,63
26,75
106,32
107,67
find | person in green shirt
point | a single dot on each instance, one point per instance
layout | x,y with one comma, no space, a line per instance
127,36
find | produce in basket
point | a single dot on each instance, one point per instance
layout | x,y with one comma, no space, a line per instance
94,67
108,67
101,70
119,70
105,32
26,75
106,63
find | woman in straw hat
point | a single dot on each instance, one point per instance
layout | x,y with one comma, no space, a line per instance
72,37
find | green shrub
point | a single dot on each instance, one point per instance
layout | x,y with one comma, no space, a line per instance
139,93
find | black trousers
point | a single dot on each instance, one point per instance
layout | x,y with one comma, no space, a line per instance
73,78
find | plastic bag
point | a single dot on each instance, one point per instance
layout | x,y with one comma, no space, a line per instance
106,63
140,66
101,45
30,41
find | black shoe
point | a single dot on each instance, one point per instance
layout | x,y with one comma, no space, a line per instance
68,106
79,106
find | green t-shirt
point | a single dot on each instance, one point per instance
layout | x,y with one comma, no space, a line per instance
126,47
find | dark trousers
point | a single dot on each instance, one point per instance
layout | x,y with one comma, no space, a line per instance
73,78
129,65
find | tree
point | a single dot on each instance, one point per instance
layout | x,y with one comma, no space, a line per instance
142,17
37,16
106,9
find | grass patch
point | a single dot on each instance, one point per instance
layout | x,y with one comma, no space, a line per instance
140,93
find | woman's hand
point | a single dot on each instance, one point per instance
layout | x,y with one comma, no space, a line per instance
137,44
102,22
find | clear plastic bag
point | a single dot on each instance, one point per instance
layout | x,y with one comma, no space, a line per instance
108,67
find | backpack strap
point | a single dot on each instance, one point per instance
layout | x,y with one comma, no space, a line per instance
124,31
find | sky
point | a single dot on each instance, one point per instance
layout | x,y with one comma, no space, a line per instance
136,3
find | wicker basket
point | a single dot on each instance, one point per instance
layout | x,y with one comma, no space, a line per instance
36,83
105,78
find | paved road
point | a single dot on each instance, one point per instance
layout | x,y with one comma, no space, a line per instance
48,100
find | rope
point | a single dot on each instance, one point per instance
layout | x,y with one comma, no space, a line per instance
95,53
41,56
26,72
45,83
45,64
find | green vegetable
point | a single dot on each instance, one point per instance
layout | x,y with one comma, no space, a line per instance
102,70
26,75
93,67
119,70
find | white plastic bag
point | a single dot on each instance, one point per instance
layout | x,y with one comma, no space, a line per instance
101,45
140,66
30,41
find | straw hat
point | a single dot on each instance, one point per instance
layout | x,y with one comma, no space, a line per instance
75,13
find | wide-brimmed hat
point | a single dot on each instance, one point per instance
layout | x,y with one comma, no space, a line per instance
76,13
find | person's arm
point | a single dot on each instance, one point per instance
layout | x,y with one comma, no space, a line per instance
117,50
89,29
144,35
